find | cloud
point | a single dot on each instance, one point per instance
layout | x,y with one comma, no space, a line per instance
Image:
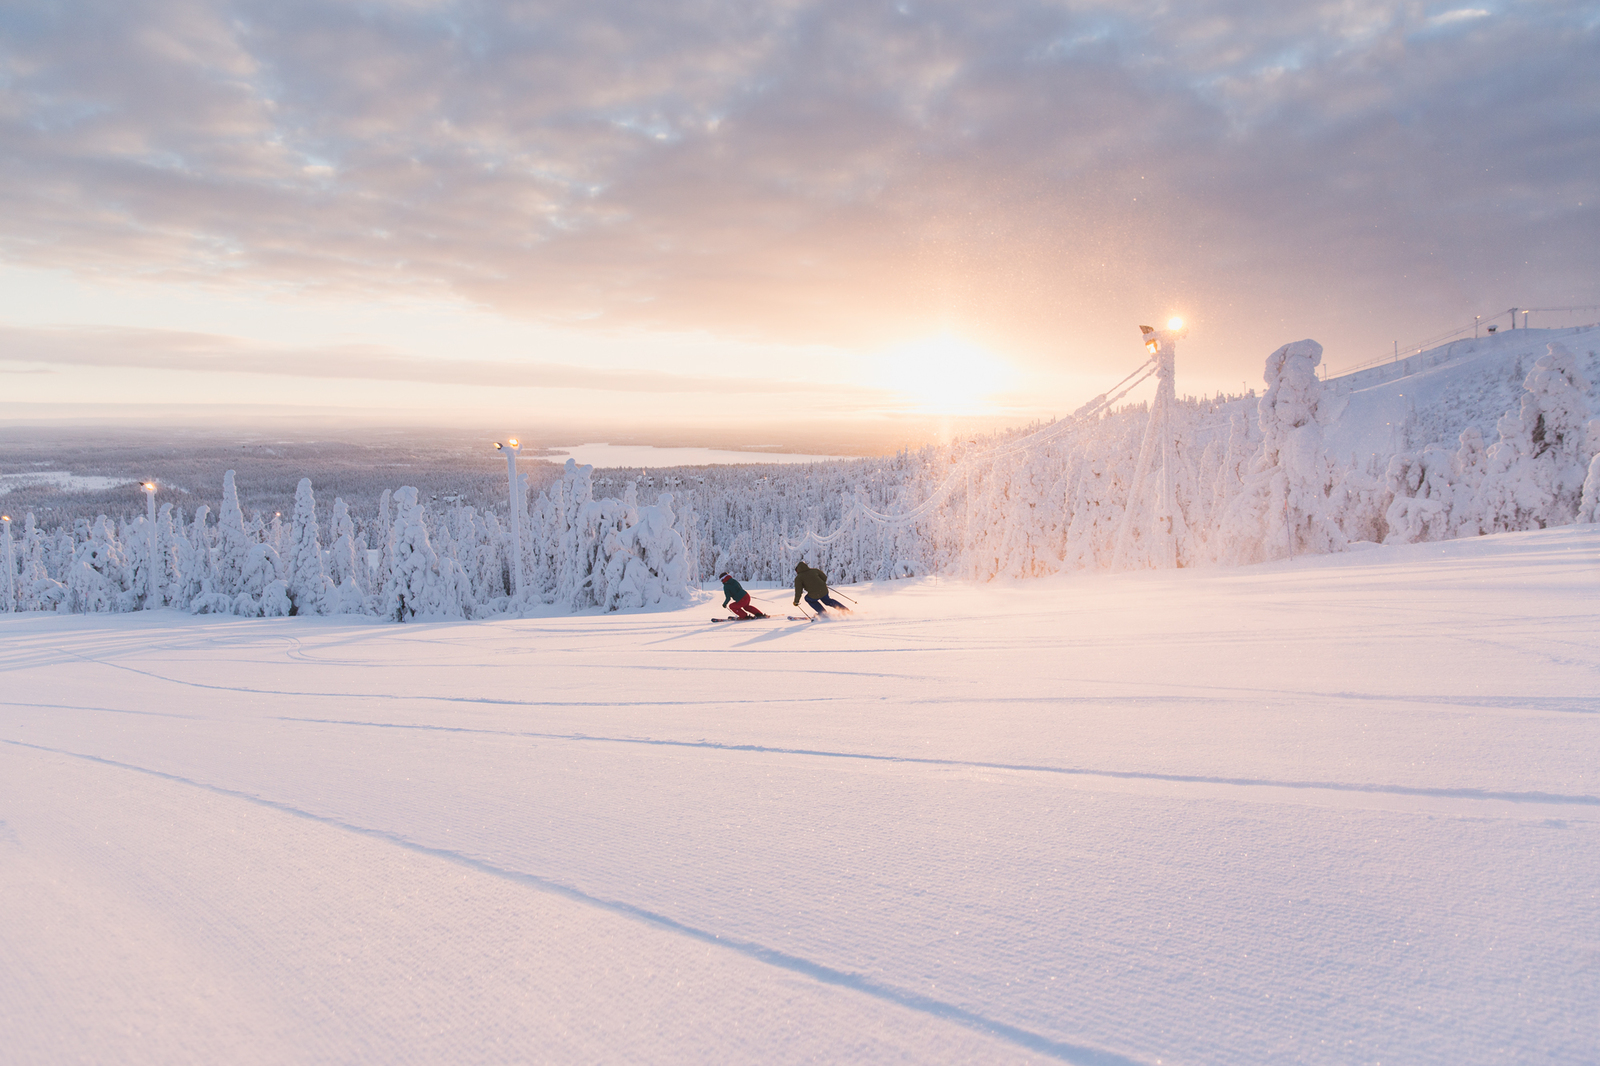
209,353
1460,14
824,171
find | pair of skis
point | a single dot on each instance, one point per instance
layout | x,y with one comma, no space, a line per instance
790,617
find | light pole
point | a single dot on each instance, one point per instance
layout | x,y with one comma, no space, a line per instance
1158,461
516,516
150,514
9,602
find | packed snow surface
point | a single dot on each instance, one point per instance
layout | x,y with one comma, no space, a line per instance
1339,810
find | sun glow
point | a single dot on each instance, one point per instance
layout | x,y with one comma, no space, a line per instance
947,375
1174,323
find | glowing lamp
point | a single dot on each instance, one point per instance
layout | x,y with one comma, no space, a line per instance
513,442
499,447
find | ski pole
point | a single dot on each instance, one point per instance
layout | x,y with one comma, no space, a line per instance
764,603
838,593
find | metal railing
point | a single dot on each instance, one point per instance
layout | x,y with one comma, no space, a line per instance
1480,323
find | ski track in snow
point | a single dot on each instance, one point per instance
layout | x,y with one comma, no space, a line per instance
1342,810
828,975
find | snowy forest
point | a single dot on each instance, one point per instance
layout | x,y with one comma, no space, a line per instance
1171,482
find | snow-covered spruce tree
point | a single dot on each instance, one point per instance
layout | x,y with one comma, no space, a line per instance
1229,480
574,544
615,580
347,564
661,554
1360,499
232,545
1534,473
171,546
38,590
100,579
202,583
483,548
415,587
384,543
1283,507
262,590
1589,504
1467,469
310,590
1423,494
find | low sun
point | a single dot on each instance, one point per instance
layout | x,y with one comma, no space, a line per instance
944,374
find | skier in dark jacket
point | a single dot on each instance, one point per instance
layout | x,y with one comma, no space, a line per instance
736,599
814,584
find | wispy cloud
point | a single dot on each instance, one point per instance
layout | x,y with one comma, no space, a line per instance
810,171
1460,14
33,350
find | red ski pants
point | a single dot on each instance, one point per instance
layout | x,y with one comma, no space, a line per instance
742,608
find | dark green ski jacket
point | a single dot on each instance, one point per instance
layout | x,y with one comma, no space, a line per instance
732,591
810,581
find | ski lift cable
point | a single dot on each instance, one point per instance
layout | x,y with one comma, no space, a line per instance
1100,403
1027,443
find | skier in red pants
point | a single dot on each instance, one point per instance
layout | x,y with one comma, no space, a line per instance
736,599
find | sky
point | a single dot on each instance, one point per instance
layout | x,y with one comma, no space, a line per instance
735,215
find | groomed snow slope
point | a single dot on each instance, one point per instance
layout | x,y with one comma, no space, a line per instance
1341,810
1429,398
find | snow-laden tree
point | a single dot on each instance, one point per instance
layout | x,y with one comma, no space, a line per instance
1468,466
418,585
262,590
100,578
1422,496
231,553
347,564
37,590
647,562
202,580
1534,474
1283,506
1589,503
170,548
384,543
309,587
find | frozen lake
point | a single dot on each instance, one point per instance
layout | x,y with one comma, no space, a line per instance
643,455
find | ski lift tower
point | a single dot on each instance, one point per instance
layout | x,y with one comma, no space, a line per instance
517,498
1152,523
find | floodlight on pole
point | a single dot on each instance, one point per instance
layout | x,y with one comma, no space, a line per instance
8,589
1152,524
150,514
516,515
